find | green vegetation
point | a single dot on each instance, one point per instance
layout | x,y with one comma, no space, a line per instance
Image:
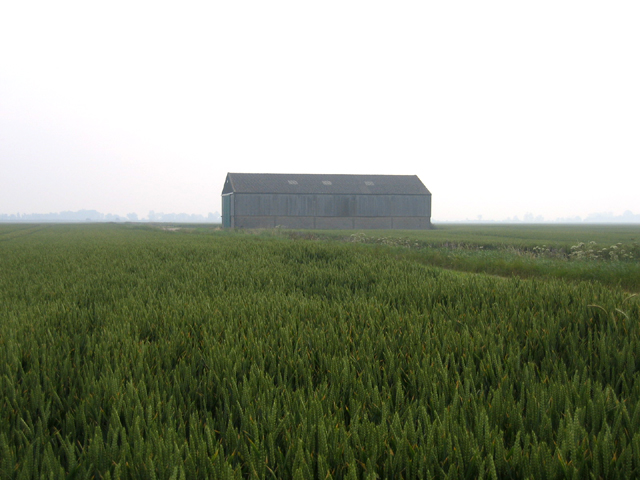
608,254
517,236
135,352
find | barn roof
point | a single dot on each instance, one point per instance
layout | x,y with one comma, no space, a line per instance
324,184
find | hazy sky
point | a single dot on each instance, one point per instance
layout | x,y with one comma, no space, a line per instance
501,108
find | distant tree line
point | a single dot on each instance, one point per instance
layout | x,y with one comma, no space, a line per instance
603,217
95,216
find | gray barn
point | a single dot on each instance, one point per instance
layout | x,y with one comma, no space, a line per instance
263,200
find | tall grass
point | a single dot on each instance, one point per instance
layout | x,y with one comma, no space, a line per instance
139,353
468,249
621,274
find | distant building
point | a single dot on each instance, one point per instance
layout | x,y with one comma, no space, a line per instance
264,200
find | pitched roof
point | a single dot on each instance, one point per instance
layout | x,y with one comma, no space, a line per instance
324,184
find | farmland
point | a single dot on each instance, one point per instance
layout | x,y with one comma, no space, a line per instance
608,254
129,351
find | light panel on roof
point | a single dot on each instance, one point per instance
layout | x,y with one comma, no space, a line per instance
369,184
326,182
292,182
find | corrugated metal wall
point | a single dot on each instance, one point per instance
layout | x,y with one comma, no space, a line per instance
332,205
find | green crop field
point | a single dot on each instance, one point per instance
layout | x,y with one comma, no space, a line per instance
608,254
138,351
